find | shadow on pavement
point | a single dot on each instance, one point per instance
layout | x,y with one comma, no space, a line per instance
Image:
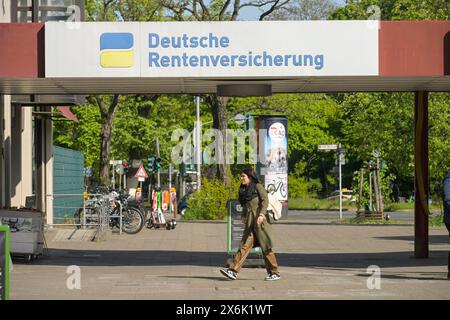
411,276
59,257
222,278
433,239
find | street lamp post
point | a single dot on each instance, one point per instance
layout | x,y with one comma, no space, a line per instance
199,145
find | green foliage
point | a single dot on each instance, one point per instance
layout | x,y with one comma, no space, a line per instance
385,182
298,187
210,202
385,121
123,10
83,136
138,121
309,203
436,220
394,10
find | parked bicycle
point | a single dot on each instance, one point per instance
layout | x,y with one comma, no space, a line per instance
102,208
132,217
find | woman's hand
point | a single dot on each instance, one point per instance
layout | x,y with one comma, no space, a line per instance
260,220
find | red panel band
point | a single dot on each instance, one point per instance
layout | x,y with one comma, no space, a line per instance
414,48
22,50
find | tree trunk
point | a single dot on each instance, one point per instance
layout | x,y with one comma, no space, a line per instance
107,115
361,186
218,106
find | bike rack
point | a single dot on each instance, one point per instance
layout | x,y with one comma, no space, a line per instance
120,218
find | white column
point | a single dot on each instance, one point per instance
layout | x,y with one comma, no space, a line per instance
48,162
7,149
26,183
22,154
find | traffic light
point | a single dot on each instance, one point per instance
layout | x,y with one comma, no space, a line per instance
150,164
126,167
157,163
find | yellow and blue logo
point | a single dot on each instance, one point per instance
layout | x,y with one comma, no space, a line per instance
116,50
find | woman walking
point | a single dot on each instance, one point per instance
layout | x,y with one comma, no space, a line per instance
254,200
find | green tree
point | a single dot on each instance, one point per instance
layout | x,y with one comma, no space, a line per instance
82,136
385,121
393,10
304,10
218,10
115,10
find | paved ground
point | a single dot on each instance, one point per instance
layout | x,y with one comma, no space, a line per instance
323,216
318,261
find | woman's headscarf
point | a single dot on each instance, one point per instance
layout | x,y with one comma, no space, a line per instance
247,193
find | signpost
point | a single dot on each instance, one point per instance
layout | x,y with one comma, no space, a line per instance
340,152
4,262
120,171
340,180
114,163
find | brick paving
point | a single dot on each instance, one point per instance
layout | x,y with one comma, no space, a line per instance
317,261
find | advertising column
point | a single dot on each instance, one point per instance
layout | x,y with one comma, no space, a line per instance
273,168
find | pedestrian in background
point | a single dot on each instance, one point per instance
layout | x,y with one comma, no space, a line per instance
254,200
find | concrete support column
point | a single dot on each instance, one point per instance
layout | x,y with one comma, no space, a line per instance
48,160
5,154
22,155
421,190
27,154
39,155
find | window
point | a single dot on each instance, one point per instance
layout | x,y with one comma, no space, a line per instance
43,10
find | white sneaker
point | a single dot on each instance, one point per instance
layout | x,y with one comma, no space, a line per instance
273,277
230,274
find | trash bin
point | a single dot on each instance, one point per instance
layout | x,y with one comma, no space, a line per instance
235,230
26,232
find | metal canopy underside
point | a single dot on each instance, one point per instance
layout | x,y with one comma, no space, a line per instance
72,86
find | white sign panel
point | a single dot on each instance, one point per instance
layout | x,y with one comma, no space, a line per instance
141,173
277,185
327,146
98,49
206,49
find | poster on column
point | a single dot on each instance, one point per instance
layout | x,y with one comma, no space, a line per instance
275,152
4,262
